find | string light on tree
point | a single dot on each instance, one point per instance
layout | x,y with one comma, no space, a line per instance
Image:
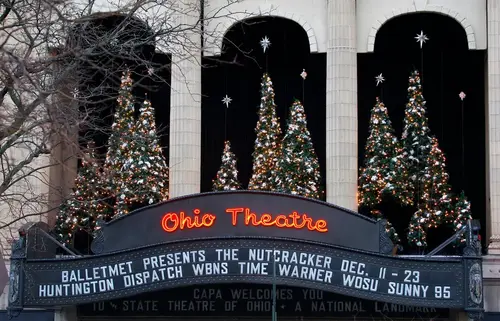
145,172
436,192
416,144
378,176
227,176
86,204
65,224
121,139
265,43
462,212
421,38
390,230
416,232
267,150
298,166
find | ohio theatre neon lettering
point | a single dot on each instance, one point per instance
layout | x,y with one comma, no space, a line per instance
172,221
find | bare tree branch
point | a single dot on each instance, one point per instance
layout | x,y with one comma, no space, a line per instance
60,66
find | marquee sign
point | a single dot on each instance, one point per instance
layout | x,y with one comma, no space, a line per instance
243,213
239,241
250,300
404,281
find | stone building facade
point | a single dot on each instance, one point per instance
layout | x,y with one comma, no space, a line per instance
341,29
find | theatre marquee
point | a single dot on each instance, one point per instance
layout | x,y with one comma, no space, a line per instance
250,238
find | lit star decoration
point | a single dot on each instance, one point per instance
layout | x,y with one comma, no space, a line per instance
267,148
151,71
227,176
265,43
303,74
379,79
462,95
226,101
421,38
298,167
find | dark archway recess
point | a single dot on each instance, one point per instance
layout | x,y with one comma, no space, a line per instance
449,68
128,44
116,43
237,73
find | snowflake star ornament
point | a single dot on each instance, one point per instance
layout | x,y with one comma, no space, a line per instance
303,74
462,95
265,43
421,38
226,101
379,79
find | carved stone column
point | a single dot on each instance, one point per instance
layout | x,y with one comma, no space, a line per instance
493,146
341,105
185,109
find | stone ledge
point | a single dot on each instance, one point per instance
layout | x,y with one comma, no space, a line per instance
491,267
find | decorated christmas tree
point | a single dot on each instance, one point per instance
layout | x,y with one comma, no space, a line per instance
298,166
87,203
416,145
436,196
122,136
65,224
378,172
391,231
144,175
227,176
417,234
462,213
267,149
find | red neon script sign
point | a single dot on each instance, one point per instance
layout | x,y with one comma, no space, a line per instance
172,222
292,221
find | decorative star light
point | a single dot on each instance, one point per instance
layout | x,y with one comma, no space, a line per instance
151,71
303,74
462,95
226,101
379,79
265,43
422,38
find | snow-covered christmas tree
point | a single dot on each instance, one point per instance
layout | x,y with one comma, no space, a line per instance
298,166
144,175
227,176
267,149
